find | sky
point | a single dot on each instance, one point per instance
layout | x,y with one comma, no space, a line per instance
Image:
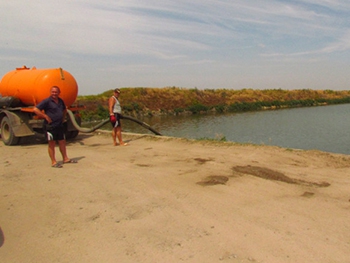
221,44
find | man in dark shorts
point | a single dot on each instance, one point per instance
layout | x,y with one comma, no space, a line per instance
53,110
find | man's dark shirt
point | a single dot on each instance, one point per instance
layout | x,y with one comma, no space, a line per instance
53,110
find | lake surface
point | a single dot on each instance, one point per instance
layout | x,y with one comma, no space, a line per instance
324,128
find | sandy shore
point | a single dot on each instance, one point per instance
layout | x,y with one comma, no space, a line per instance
173,200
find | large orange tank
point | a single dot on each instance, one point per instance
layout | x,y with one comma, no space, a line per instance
31,86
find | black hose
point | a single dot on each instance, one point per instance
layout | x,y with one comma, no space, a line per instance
143,124
88,130
81,129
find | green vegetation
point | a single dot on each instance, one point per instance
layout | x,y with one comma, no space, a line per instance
172,100
216,139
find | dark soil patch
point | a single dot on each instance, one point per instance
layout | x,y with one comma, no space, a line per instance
143,165
213,180
308,194
202,160
269,174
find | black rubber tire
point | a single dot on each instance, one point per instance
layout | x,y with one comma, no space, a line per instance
71,134
7,135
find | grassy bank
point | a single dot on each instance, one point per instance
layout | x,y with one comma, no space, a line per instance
173,100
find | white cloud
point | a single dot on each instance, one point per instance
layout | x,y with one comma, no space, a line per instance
150,35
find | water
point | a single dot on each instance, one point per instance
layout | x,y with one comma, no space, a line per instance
324,128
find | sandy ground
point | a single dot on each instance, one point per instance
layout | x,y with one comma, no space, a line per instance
173,200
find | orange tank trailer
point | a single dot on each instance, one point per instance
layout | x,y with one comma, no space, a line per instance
24,88
31,86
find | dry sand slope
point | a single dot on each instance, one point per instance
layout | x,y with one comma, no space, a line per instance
172,200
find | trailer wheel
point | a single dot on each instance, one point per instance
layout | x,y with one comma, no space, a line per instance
7,135
71,134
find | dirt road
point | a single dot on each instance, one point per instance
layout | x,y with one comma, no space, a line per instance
173,200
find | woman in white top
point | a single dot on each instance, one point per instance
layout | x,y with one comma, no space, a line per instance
115,111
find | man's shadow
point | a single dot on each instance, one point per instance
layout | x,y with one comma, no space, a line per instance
2,237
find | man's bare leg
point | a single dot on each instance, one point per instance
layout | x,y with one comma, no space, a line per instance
63,150
51,150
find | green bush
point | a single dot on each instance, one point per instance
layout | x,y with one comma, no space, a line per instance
220,108
197,108
178,110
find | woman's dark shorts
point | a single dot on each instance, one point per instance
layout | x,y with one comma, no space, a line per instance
117,123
